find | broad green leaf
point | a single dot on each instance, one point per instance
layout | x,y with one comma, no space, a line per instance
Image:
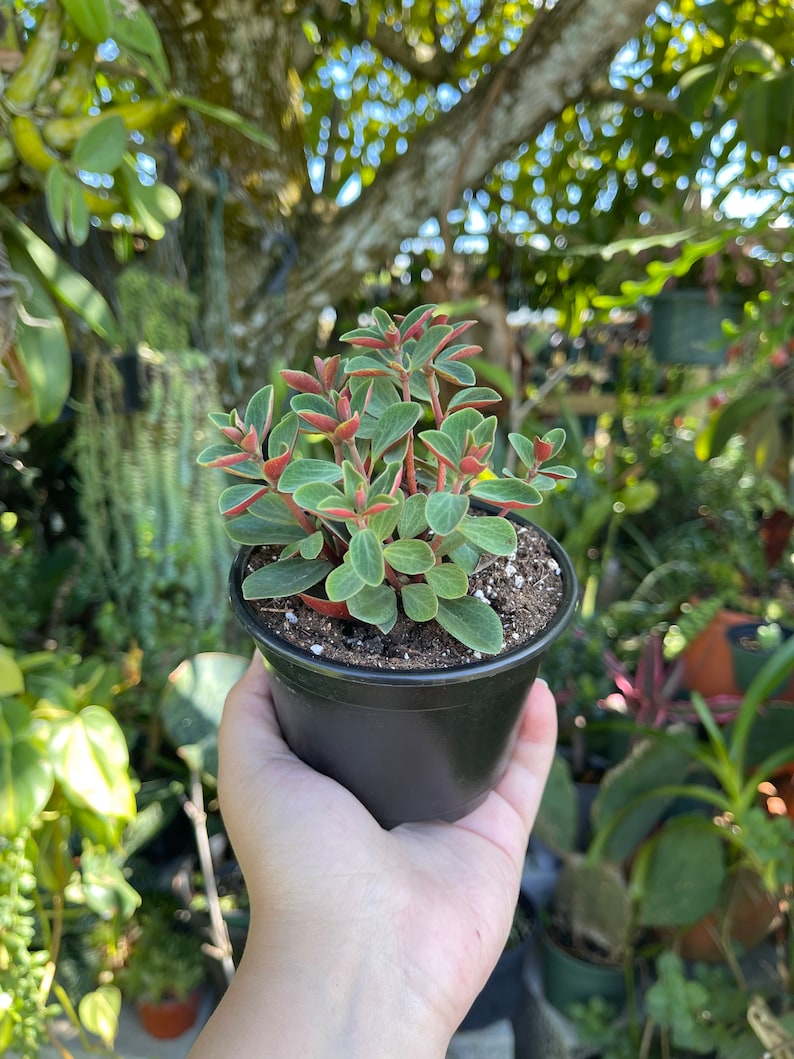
443,446
396,422
99,1013
556,438
68,286
409,556
732,419
445,511
523,447
134,31
311,495
26,777
456,371
105,889
507,491
473,622
342,583
236,495
42,345
310,547
767,106
376,605
150,205
91,17
192,704
12,680
285,578
384,523
473,397
101,149
459,424
259,410
284,433
55,185
412,519
558,817
426,346
78,216
304,472
366,557
497,536
448,580
272,508
231,119
420,602
89,754
248,529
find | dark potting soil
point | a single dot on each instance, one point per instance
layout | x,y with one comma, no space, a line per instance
525,590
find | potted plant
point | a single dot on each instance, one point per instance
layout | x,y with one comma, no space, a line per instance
163,976
372,562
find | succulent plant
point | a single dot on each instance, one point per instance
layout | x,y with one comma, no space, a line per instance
382,520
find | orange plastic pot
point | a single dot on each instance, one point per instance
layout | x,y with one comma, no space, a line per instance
750,911
708,667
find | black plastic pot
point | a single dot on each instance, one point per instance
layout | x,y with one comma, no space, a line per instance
747,661
411,745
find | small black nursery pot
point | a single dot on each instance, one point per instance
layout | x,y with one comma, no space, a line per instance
410,745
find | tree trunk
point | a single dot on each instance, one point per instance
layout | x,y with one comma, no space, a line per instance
282,275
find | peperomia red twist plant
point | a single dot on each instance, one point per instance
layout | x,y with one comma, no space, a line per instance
382,521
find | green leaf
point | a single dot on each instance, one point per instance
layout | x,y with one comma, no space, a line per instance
231,119
249,529
259,410
497,536
105,889
67,285
89,753
152,205
342,583
304,472
26,777
366,557
507,491
473,397
409,556
376,605
285,578
134,31
445,512
55,184
448,580
384,523
396,422
310,547
192,704
99,1013
235,495
472,622
12,680
426,347
91,18
444,447
78,216
42,345
311,495
413,520
420,602
455,371
101,149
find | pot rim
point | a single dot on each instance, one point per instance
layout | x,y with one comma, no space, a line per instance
487,666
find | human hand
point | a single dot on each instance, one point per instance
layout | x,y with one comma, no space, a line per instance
363,942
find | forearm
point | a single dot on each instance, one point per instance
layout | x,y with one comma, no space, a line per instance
318,1004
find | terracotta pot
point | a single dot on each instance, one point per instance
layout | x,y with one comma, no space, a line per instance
170,1018
753,914
707,660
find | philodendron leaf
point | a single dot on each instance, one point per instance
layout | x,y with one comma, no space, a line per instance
410,557
99,1013
420,602
105,889
375,605
497,536
285,578
101,149
366,557
472,622
448,580
26,778
89,754
445,511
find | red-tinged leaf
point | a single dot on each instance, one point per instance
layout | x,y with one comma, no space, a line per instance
347,430
250,442
362,337
336,512
275,467
375,509
326,606
411,326
330,369
543,450
461,352
456,332
228,461
238,509
233,434
302,381
321,423
470,465
559,472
